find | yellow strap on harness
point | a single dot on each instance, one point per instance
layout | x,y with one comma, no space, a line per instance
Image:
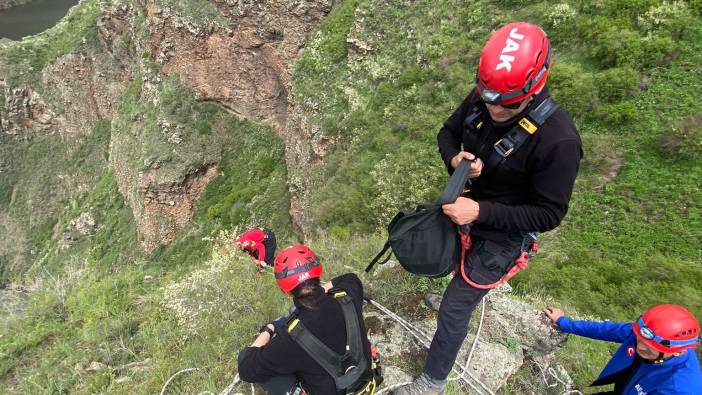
527,125
293,324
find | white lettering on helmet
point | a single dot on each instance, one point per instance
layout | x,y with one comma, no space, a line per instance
303,277
510,46
640,390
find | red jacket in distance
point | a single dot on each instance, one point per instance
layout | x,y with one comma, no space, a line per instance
251,241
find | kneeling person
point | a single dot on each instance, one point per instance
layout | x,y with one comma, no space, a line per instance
260,244
657,354
322,347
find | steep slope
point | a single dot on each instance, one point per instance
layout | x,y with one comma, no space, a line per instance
137,137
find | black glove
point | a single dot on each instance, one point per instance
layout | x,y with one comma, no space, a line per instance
265,328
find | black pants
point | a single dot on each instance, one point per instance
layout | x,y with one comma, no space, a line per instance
486,263
280,385
270,245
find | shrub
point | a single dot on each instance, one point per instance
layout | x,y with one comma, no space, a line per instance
574,88
672,17
616,84
616,114
684,140
403,179
618,46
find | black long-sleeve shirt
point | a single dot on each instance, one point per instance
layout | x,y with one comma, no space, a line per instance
282,356
530,191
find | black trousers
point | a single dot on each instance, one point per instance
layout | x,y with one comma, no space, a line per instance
485,263
280,385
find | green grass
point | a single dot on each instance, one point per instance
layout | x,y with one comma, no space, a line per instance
630,240
627,75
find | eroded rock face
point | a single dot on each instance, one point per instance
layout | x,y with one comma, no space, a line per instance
244,60
167,208
23,113
70,81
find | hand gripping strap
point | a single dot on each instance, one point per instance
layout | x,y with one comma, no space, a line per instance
457,183
331,362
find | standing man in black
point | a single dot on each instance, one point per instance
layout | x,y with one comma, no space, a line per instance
525,155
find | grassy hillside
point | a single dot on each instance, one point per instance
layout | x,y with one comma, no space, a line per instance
627,72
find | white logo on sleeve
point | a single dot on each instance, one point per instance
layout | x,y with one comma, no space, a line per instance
510,46
640,390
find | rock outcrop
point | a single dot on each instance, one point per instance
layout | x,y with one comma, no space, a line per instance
169,207
23,113
243,59
513,333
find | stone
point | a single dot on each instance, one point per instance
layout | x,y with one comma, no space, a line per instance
433,301
123,379
95,367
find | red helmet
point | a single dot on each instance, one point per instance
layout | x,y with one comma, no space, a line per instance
295,265
514,63
668,328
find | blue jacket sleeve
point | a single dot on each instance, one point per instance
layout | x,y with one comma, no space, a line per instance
616,332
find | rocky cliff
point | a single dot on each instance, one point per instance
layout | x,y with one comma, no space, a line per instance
239,55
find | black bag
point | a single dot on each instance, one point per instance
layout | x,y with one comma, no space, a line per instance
425,241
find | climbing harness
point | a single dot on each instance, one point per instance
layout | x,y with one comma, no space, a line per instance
530,246
350,371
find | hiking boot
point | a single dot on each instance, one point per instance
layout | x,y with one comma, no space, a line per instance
422,385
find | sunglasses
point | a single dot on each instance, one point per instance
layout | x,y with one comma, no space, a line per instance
648,334
512,106
495,98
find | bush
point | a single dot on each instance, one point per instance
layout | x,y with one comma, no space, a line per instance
673,18
617,47
573,88
684,140
617,114
616,84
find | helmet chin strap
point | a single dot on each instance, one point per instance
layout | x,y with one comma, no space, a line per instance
661,358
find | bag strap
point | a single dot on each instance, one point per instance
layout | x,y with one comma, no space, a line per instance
330,361
472,125
517,136
457,183
377,257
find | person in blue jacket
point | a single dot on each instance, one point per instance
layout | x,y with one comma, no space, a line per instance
657,354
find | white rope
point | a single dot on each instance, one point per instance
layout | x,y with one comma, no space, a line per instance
477,333
425,341
163,390
552,372
392,387
231,386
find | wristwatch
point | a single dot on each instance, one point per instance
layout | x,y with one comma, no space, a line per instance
265,328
